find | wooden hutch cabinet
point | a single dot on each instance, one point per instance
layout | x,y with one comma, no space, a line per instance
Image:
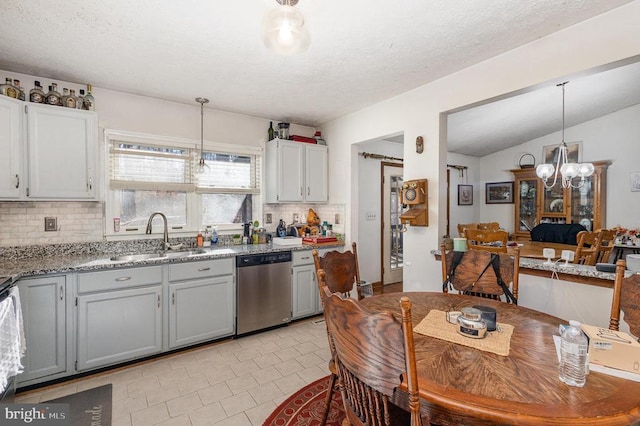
536,204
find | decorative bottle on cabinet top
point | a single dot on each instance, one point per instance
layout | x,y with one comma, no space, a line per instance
36,94
89,100
271,131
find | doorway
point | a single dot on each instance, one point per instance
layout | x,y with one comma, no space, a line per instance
392,237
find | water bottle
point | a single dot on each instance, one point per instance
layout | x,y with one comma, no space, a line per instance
573,355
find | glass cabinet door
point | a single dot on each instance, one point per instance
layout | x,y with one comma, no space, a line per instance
582,200
553,203
528,190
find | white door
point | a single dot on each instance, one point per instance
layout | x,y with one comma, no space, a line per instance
391,227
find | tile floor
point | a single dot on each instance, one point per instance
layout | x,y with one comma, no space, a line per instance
236,382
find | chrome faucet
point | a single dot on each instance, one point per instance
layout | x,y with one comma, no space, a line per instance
165,244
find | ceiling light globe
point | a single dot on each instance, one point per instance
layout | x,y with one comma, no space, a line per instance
284,31
569,170
585,170
544,171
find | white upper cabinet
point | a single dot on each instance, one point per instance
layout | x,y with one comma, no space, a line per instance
296,172
52,152
10,145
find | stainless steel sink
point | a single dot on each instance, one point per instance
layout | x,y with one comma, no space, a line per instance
136,257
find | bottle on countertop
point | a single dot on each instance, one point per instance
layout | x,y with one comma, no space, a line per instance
36,94
89,100
214,235
271,131
199,239
281,230
53,96
573,356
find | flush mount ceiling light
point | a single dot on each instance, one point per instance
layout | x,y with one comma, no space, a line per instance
284,30
568,170
202,166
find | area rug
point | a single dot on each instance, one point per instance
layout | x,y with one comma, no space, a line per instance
89,408
305,407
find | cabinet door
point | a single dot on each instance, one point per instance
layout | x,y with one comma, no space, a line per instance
316,173
61,146
291,171
118,326
527,204
201,310
43,310
304,291
10,143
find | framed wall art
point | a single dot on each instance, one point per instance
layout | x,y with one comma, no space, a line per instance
634,181
499,192
550,153
465,195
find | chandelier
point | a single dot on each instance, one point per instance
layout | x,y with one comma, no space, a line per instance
567,170
202,166
284,30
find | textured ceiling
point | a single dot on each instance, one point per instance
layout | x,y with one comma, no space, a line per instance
362,51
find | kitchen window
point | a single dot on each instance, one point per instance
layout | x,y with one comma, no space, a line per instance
151,173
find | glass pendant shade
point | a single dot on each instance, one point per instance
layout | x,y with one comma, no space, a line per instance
284,31
202,166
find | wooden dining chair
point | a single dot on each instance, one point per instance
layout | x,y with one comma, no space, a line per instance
489,226
374,350
472,273
333,369
587,249
495,241
606,241
341,270
463,226
626,298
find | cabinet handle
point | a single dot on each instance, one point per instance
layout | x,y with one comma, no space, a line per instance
203,269
90,183
158,301
123,278
17,181
173,298
305,257
301,191
61,292
308,190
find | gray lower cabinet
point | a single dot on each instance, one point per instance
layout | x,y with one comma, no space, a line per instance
201,301
43,303
119,316
304,286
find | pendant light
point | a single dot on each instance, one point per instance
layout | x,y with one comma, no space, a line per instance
284,30
567,170
202,166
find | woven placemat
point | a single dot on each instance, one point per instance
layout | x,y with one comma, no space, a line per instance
435,324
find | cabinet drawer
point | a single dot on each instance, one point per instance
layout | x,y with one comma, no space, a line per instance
302,257
202,269
119,279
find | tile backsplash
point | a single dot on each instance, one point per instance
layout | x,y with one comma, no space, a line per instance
22,223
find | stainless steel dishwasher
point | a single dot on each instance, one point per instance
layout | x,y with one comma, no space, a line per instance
263,291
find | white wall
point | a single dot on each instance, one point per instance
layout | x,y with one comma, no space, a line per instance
612,137
464,214
606,38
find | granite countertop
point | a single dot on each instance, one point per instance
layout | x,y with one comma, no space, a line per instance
558,267
66,258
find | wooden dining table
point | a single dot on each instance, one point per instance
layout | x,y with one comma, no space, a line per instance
463,385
